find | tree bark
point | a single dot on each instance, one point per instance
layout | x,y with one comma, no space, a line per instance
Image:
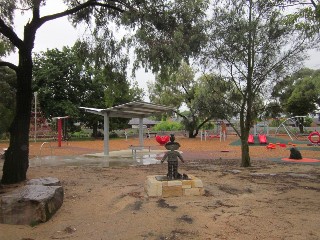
246,111
95,129
16,161
191,133
245,155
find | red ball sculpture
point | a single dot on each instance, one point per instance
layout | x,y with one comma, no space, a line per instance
162,140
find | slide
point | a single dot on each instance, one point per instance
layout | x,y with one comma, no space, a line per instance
263,139
251,139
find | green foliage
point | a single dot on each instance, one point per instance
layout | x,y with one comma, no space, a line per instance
67,79
217,96
168,126
305,96
275,122
80,134
307,122
61,82
167,32
174,89
208,126
177,89
7,98
272,110
299,94
113,135
304,16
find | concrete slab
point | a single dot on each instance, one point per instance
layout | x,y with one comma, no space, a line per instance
114,159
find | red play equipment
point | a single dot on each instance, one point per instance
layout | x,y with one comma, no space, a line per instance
162,140
313,137
271,146
251,139
262,139
60,128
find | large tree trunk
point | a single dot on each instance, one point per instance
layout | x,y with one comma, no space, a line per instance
245,155
191,133
95,129
300,125
16,161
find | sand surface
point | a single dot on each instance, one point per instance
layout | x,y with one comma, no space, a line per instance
273,199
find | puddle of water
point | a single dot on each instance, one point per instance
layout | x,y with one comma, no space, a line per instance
96,161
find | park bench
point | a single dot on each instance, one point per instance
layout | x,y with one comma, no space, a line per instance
135,148
151,133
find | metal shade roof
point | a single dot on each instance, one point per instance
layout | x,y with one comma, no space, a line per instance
146,121
130,110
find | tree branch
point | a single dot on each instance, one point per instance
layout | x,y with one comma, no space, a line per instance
8,64
89,3
314,4
10,34
181,115
296,49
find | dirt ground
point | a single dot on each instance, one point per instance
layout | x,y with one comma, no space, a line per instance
273,199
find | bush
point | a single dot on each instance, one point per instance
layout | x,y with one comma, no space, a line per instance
113,135
80,134
168,126
209,126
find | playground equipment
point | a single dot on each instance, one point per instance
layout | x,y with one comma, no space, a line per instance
261,128
39,124
60,128
251,139
221,132
262,139
203,133
126,134
296,121
274,145
42,146
314,138
271,146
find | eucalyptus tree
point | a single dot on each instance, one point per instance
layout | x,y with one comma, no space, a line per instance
149,17
252,44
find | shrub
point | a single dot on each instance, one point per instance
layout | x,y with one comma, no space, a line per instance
168,126
80,134
113,135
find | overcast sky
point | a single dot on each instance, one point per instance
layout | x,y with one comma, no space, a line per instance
59,33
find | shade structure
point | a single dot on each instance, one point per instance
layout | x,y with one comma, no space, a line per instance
128,110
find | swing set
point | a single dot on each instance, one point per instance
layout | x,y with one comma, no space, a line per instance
313,137
295,120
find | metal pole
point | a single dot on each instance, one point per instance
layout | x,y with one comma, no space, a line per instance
59,131
141,131
106,134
